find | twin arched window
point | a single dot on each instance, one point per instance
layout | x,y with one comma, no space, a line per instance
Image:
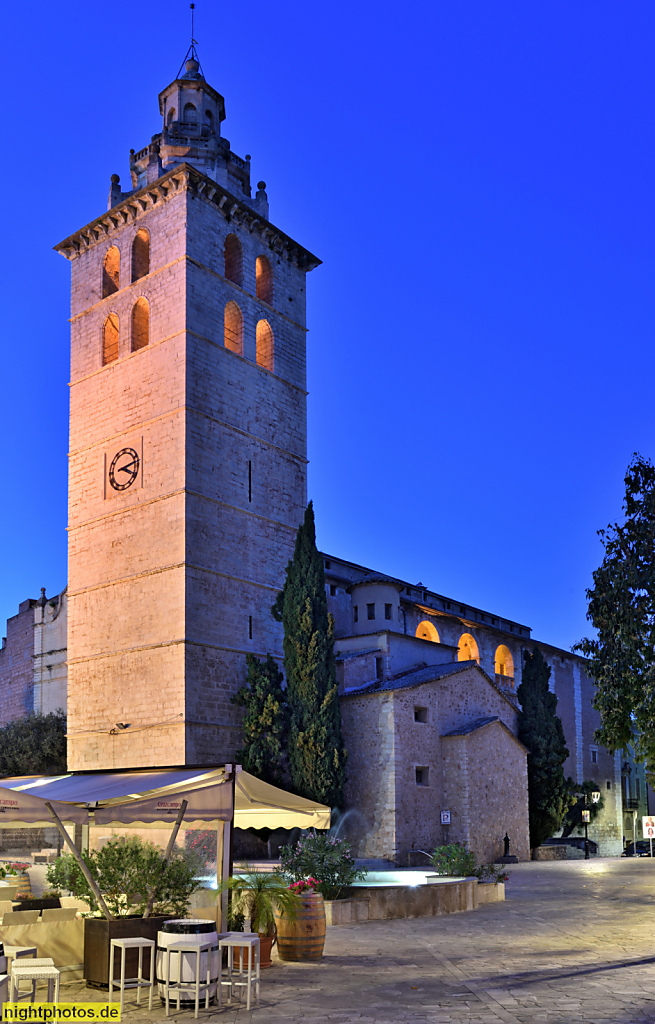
140,331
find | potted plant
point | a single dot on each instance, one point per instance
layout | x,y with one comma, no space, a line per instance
254,899
491,883
16,874
319,855
49,900
128,870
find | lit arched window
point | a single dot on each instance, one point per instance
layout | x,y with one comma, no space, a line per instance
426,631
467,649
189,112
171,116
233,328
110,339
140,324
265,345
111,272
264,280
504,662
233,260
140,254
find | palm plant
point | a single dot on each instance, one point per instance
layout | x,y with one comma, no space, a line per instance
255,897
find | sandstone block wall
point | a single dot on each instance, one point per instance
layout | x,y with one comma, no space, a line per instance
16,665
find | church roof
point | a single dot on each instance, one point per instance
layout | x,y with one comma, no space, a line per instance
478,723
413,678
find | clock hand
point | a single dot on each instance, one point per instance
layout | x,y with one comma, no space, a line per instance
127,468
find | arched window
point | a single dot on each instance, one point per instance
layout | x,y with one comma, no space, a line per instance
233,260
110,339
504,662
209,117
111,272
265,345
233,328
140,254
171,116
467,649
189,112
426,631
264,280
140,324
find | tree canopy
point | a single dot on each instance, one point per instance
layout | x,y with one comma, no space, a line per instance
35,745
622,611
316,752
540,729
264,722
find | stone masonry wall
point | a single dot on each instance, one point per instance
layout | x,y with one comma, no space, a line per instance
17,665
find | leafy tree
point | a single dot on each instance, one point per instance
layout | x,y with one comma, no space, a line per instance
622,610
316,752
35,745
265,720
540,729
573,818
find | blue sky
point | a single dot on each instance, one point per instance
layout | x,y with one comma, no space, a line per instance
478,180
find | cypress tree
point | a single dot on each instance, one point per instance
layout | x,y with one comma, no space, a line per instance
540,729
316,753
265,721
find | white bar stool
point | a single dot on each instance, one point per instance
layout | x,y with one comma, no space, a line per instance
138,942
181,948
13,952
247,941
34,969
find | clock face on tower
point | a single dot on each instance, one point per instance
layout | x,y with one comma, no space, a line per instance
124,469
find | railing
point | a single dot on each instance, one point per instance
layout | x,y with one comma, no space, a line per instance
631,803
506,681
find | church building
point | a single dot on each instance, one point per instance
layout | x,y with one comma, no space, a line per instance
187,483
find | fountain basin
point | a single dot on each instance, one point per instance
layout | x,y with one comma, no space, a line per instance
387,902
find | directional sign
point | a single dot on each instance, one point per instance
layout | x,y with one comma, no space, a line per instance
445,817
648,825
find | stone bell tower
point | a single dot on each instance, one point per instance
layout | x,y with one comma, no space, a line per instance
187,443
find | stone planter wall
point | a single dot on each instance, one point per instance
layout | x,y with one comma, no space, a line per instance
549,853
491,892
351,911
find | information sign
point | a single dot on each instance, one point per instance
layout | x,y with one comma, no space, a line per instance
648,826
586,817
445,817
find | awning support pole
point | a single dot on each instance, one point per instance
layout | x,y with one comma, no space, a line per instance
167,856
78,857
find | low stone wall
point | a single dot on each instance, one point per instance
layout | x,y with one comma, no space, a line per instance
347,911
491,892
389,902
549,853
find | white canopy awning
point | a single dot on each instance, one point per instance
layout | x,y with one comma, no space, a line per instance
151,798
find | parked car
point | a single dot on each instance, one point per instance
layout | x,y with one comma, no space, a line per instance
643,848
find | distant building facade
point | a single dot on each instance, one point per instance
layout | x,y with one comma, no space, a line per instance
33,674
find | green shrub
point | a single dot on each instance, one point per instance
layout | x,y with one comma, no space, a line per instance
490,873
127,870
454,859
321,856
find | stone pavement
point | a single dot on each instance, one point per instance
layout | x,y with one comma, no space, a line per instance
574,941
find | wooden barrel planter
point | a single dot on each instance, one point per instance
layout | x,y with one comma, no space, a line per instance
304,937
21,880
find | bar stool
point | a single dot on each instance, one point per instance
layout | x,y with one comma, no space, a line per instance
176,986
34,969
247,941
139,982
12,952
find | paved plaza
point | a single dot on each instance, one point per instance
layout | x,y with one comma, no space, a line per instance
574,941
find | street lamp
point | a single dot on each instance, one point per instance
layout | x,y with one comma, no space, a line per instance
586,818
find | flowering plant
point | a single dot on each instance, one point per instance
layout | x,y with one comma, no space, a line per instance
305,885
320,855
490,873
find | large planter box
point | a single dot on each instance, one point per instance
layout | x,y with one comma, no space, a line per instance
491,892
98,934
346,911
62,940
50,903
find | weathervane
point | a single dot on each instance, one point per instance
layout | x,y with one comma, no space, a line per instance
192,53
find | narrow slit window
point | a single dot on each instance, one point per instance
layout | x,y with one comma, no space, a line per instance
387,611
355,613
250,481
250,627
370,611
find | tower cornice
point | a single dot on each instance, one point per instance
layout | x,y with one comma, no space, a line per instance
180,179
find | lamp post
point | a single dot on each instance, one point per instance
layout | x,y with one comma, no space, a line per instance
586,818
